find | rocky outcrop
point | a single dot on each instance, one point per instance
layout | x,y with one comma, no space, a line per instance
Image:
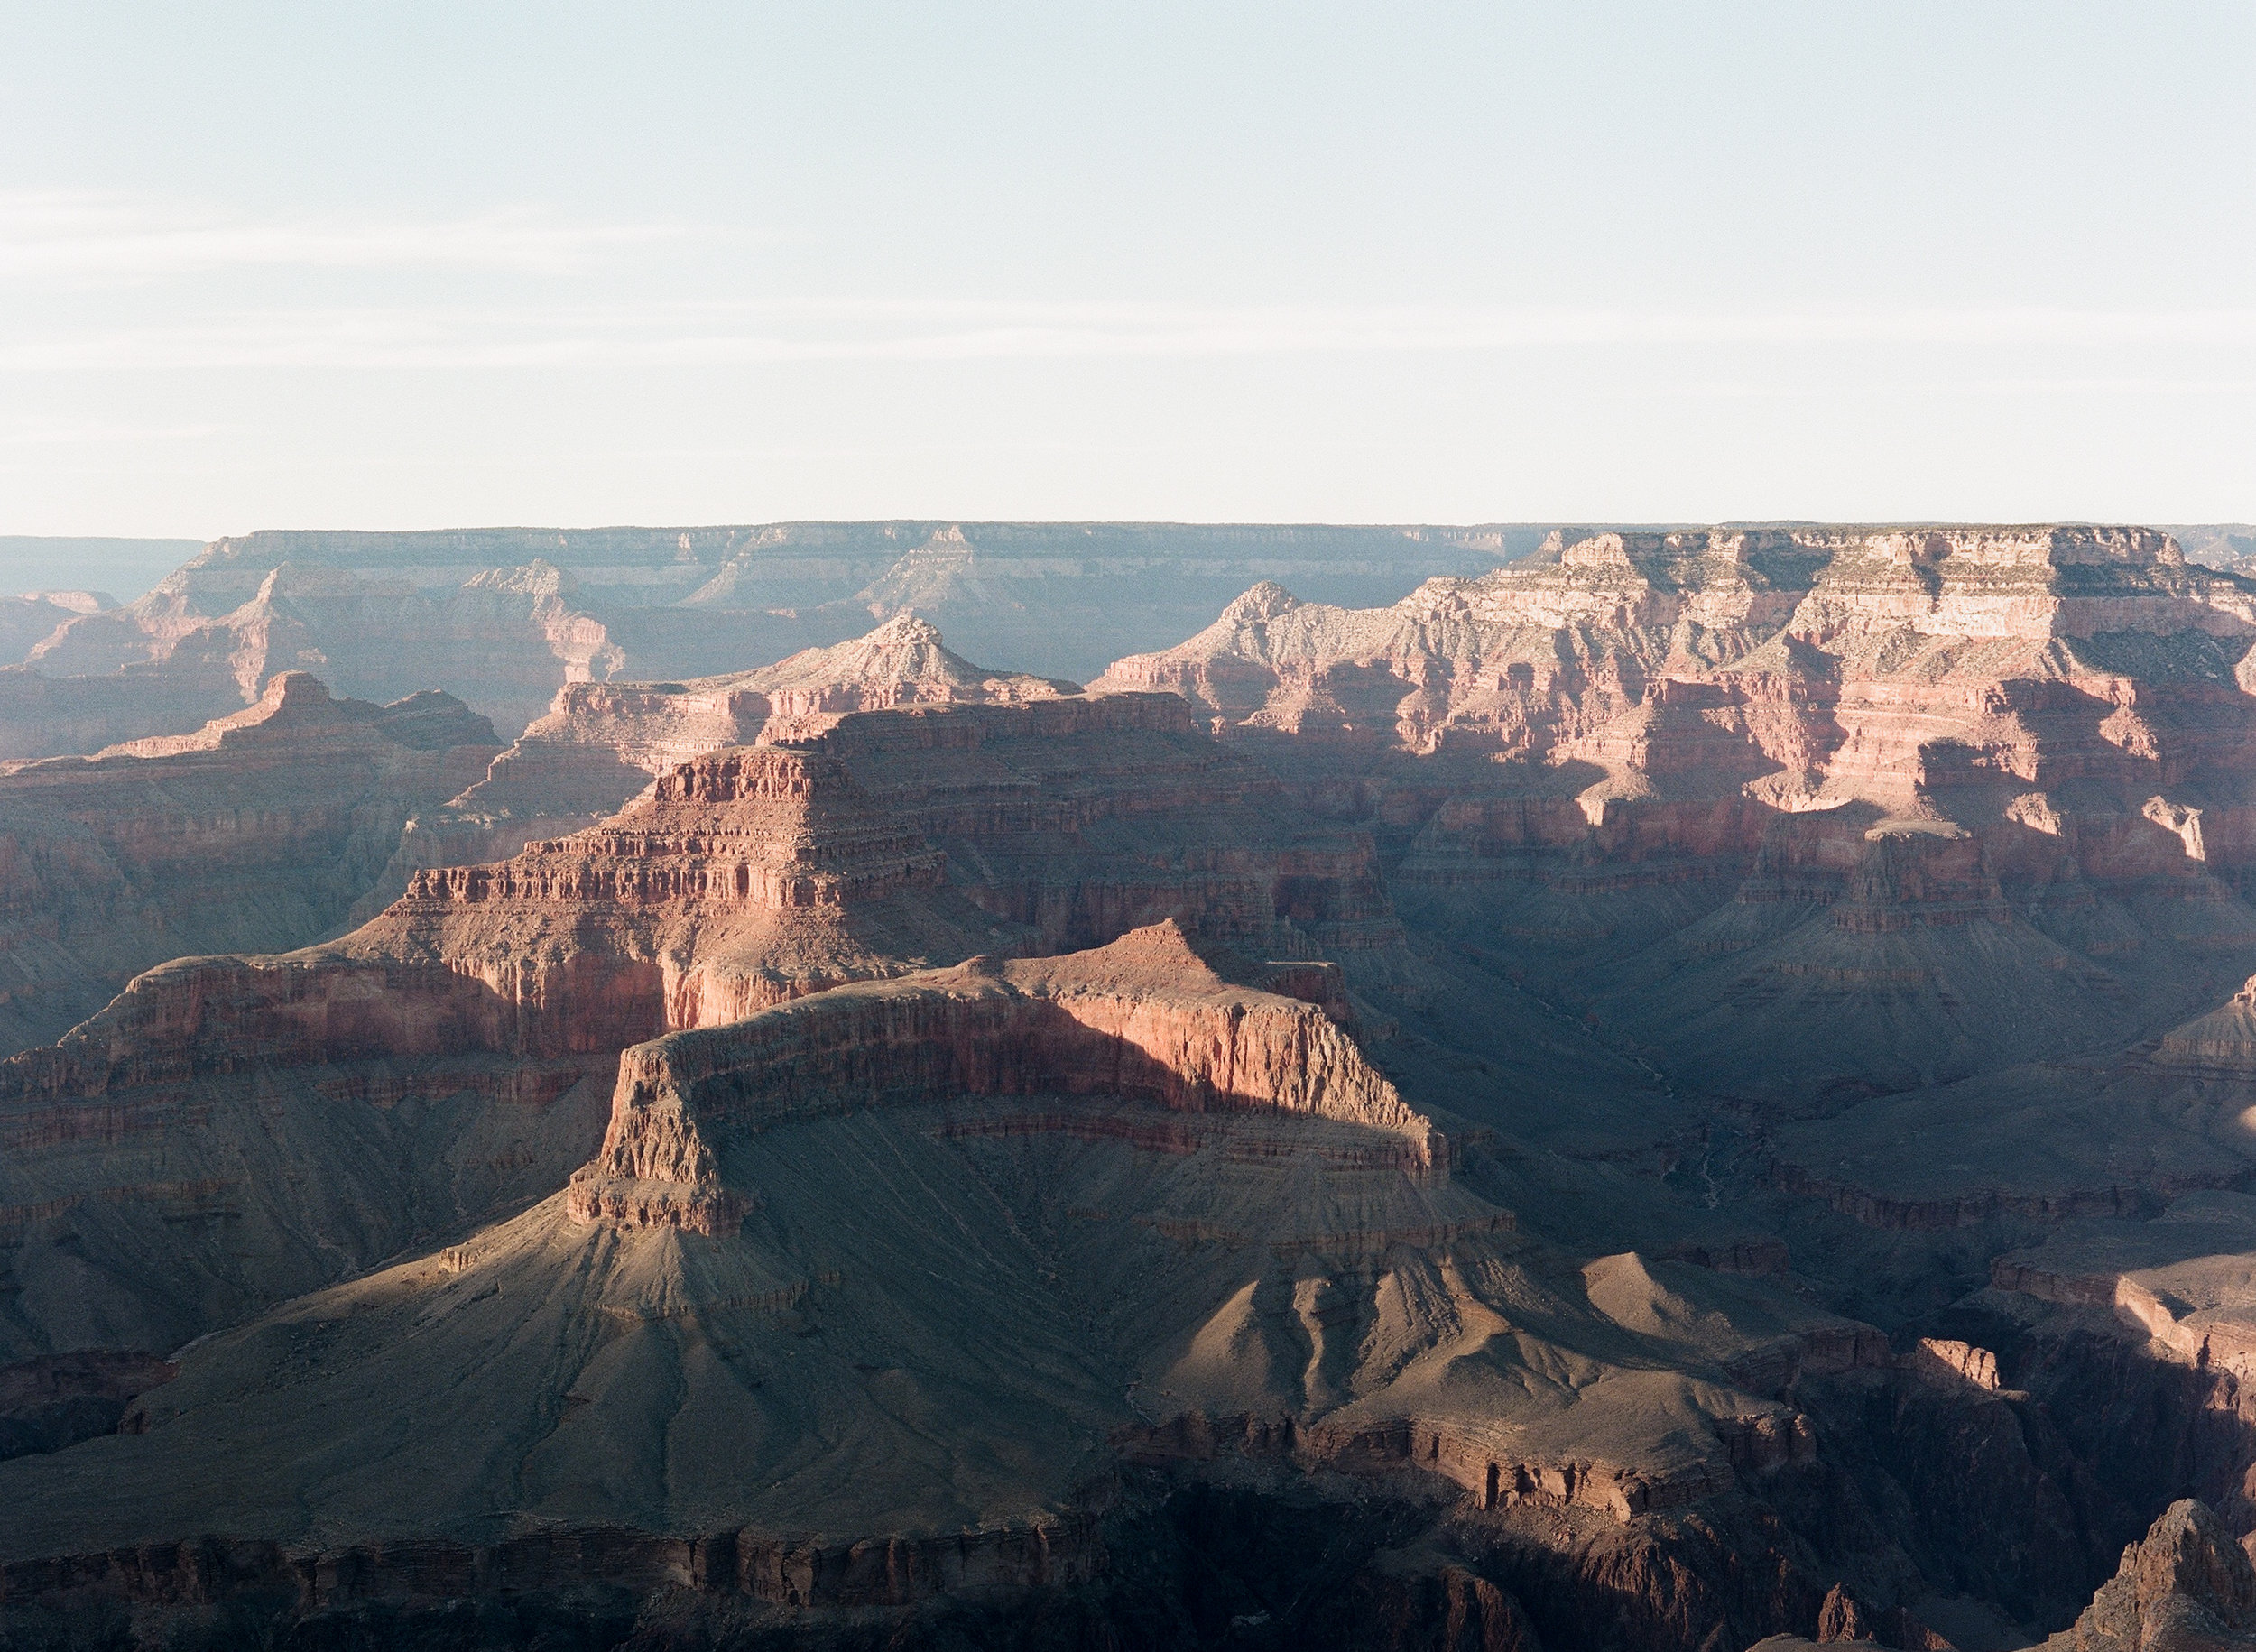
1751,1184
29,620
1818,642
1077,818
744,878
449,1052
2222,1042
2186,1587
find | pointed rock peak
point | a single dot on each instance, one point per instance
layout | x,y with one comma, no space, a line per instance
1159,958
292,691
2187,1583
1264,601
292,701
2189,1555
1840,1618
906,629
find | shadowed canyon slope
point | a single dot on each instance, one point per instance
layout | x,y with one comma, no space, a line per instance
258,832
413,1068
1692,1088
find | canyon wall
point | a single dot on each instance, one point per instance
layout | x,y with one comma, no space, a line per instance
257,834
506,617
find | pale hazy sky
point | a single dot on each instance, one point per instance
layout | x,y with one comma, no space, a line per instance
399,265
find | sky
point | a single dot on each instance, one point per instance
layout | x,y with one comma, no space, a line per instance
415,265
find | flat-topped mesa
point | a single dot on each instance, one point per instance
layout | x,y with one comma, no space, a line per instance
2028,582
902,662
758,826
736,884
1145,1019
742,878
496,999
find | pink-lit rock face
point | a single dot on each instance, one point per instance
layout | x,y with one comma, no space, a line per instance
1825,664
1849,807
1143,1019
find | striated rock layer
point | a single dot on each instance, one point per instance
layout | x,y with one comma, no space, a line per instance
446,1059
1144,1019
1726,785
1690,1091
2186,1587
601,743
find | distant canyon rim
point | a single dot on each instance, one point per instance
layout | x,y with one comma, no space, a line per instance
928,1085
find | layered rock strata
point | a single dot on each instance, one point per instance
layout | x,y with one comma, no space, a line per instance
214,635
442,1060
1083,818
744,879
601,743
2186,1587
1723,784
1900,1285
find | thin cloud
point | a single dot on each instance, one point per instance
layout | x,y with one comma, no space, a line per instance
88,237
747,334
86,435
